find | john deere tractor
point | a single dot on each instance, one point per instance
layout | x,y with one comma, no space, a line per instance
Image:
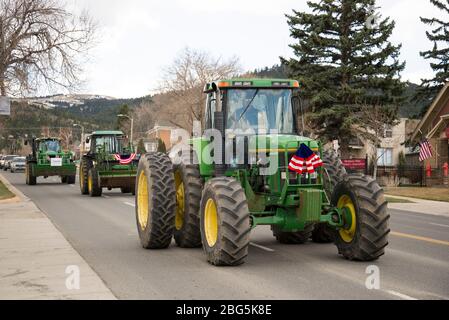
213,198
109,163
48,159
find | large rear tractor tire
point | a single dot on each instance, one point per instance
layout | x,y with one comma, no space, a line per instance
365,234
93,183
299,237
225,222
334,173
155,201
188,185
30,178
83,176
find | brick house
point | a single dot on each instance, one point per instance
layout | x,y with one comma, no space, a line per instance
435,127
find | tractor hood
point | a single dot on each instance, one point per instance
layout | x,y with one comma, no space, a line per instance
282,142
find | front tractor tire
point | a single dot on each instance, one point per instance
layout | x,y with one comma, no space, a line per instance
365,234
30,178
93,183
335,172
189,186
155,201
83,176
225,222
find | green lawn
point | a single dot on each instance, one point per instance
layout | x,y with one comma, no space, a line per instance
397,200
435,194
5,193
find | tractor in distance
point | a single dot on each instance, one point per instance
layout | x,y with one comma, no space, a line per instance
109,163
215,204
47,159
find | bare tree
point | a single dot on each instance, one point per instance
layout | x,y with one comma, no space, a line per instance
41,42
378,119
183,82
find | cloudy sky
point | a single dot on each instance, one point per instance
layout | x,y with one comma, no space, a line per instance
137,38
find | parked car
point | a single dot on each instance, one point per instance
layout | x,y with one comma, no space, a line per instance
2,161
7,162
18,164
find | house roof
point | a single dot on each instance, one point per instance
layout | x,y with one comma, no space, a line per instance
425,126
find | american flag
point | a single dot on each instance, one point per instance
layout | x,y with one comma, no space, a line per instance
425,150
305,160
125,161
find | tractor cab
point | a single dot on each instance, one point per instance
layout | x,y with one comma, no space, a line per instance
108,142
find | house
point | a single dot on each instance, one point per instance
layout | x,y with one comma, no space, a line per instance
163,133
435,128
388,154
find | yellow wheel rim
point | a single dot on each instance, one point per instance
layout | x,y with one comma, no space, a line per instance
211,222
347,235
90,183
180,201
142,200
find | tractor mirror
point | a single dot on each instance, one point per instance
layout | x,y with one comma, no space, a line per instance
87,140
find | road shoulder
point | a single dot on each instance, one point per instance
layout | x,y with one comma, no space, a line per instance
435,208
36,261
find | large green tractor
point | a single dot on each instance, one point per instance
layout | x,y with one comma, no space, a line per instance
213,198
47,159
109,163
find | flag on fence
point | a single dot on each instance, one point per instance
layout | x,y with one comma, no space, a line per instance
305,160
425,151
125,161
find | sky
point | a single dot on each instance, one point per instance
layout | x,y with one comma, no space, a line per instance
138,38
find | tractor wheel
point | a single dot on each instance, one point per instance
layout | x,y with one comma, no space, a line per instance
225,222
30,178
335,172
155,201
299,237
71,179
365,234
93,183
83,176
188,186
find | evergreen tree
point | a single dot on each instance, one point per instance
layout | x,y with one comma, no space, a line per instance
161,146
439,54
122,123
141,147
344,61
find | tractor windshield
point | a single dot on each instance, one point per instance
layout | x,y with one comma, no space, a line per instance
260,110
49,145
109,144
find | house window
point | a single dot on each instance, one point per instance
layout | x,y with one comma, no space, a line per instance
385,157
388,132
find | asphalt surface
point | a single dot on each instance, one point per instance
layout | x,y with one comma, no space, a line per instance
103,230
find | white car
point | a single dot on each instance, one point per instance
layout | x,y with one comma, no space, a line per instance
7,162
18,164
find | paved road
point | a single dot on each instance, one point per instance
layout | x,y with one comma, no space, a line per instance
103,230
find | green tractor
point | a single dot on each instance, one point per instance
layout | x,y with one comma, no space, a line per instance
109,163
213,198
48,159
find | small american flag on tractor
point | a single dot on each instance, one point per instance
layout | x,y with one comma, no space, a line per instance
305,161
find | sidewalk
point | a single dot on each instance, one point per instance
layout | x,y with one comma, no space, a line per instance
436,208
34,257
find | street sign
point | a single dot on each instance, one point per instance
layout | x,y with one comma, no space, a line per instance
355,164
5,106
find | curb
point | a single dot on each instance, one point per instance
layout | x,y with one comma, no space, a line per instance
17,192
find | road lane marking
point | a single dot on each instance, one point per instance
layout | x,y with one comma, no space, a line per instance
439,225
400,295
261,247
130,204
411,236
